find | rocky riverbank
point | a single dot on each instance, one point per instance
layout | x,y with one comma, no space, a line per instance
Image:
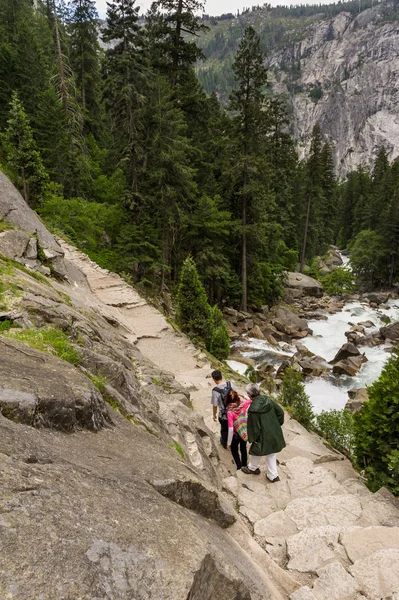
305,333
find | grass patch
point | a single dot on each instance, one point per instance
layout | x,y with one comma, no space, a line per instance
157,381
178,448
100,381
5,325
5,226
49,340
7,267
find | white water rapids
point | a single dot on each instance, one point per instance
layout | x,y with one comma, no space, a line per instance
331,391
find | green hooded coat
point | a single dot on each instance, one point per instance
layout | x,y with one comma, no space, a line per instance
265,418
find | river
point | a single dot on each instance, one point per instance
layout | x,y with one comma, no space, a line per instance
330,391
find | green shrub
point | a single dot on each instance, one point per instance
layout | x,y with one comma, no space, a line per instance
49,340
337,427
293,397
220,342
5,325
340,281
251,374
193,313
316,93
377,430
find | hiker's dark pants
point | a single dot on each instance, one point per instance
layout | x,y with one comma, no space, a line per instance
238,443
224,432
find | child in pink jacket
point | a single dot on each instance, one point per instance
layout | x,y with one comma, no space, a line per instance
236,420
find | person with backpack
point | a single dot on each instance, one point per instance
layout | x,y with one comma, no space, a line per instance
219,394
264,420
237,427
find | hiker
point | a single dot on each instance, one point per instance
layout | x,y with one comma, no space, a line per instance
237,407
264,420
219,394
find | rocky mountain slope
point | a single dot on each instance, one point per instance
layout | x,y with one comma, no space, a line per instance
340,72
112,485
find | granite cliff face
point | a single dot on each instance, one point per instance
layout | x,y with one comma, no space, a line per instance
354,61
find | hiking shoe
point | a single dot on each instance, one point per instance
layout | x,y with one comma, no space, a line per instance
249,472
273,480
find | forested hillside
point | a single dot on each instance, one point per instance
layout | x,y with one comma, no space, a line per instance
122,151
336,65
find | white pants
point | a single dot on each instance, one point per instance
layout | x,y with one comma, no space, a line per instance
271,464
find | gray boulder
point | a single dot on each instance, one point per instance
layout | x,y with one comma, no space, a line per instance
14,210
13,244
345,352
286,321
357,397
377,299
350,366
391,332
308,285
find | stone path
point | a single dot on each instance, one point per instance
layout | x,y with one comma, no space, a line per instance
326,536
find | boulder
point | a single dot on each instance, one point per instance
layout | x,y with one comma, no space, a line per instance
307,285
350,366
312,368
14,210
357,397
391,332
377,299
286,321
256,333
345,352
13,244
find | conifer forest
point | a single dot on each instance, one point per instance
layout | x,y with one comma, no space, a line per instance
111,138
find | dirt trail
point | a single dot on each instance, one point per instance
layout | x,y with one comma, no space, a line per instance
147,328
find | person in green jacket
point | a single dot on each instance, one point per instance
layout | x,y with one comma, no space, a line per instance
265,435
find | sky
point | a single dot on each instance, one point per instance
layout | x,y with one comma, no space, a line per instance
217,7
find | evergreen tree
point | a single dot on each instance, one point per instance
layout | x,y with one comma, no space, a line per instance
193,313
169,187
23,55
22,154
293,396
248,132
175,23
219,344
125,85
377,430
84,56
312,236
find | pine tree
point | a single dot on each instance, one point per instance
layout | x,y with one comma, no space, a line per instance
23,56
169,185
219,344
193,311
176,23
312,236
22,154
249,127
84,56
125,73
293,396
